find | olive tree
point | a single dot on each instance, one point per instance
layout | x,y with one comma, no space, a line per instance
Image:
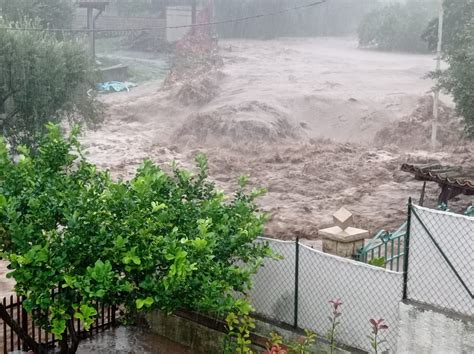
49,13
42,79
458,52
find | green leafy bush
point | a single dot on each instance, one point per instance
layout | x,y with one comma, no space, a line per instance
50,13
397,27
161,240
42,79
458,52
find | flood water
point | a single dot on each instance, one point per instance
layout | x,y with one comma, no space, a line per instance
123,340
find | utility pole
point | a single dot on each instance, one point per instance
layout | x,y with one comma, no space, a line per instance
91,19
434,129
193,11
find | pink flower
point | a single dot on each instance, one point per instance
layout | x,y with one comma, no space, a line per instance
335,304
377,325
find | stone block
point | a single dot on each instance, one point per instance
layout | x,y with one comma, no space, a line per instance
329,246
343,218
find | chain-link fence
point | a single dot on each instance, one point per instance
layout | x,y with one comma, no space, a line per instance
437,270
440,260
297,289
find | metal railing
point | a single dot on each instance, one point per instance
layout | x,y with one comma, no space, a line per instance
18,330
385,249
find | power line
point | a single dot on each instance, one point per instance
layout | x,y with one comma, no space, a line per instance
212,23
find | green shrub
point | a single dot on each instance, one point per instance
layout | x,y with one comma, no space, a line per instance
458,52
161,240
397,27
50,13
42,79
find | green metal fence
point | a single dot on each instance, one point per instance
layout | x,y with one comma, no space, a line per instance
385,249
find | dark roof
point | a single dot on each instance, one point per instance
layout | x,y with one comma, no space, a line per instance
455,176
92,3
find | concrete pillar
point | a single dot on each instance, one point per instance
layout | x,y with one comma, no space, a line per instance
342,239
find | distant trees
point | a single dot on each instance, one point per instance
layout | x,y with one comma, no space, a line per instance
406,27
332,18
458,52
42,79
397,27
50,13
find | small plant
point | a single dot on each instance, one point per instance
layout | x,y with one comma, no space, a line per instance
299,346
275,345
239,326
336,313
303,343
378,262
377,327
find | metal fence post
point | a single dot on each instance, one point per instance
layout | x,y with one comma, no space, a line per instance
24,323
407,251
113,322
297,271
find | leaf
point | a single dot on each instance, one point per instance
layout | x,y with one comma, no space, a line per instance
3,201
199,244
243,181
119,242
58,327
158,206
140,303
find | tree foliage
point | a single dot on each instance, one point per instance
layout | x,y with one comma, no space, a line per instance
42,79
458,52
50,13
161,240
397,27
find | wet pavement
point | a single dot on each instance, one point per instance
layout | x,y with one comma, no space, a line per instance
124,340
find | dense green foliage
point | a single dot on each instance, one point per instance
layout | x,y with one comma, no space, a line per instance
50,13
42,79
397,27
161,240
458,52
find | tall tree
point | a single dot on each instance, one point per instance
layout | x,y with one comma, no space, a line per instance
458,52
42,79
50,13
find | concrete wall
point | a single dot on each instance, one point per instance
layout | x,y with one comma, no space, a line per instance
424,329
188,329
199,338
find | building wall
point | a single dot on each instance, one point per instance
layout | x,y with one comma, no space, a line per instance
425,329
177,16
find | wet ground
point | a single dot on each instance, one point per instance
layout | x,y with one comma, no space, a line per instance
123,340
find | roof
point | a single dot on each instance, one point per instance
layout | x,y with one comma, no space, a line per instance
460,177
92,3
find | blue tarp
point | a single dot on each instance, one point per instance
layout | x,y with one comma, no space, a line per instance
115,86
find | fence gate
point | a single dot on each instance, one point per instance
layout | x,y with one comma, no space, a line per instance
386,248
18,332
